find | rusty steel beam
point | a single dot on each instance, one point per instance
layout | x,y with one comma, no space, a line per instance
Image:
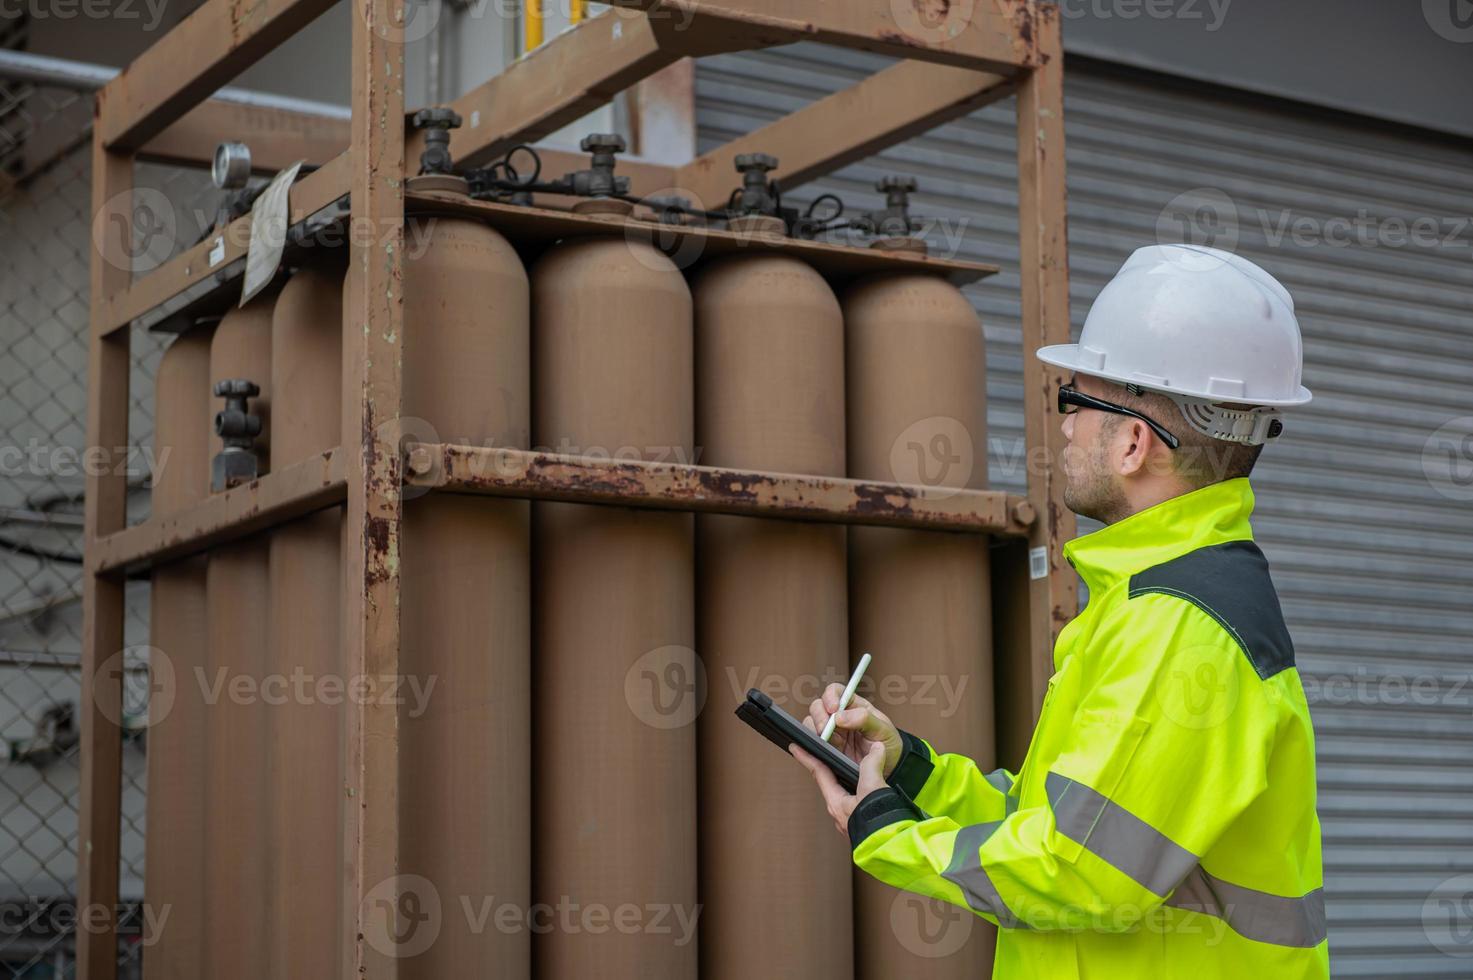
108,369
313,484
218,41
569,77
989,35
687,243
714,490
275,498
277,137
888,107
373,385
1053,597
130,301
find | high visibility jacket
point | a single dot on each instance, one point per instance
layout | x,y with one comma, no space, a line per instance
1163,823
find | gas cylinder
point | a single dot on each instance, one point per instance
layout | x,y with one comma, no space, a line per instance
920,600
305,757
238,860
465,743
615,698
771,612
176,738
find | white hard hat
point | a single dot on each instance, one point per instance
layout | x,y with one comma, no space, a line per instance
1201,325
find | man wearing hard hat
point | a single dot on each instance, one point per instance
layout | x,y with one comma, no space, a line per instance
1163,823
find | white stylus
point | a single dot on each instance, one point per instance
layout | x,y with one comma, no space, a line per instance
849,689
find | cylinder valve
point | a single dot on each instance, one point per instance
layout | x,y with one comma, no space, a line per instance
437,124
238,429
757,194
599,179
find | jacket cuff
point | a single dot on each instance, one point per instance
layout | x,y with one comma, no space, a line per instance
914,768
879,809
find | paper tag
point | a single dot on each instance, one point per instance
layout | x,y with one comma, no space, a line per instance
1037,563
217,252
269,217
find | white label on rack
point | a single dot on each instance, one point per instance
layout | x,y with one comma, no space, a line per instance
269,218
217,252
1037,563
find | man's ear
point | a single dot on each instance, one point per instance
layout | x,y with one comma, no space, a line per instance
1133,443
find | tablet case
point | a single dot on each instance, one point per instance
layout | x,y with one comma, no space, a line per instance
782,730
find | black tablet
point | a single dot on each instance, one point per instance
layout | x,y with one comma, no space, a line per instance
782,730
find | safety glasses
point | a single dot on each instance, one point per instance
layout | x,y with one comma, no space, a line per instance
1071,399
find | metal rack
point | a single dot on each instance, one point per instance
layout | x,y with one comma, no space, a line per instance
159,108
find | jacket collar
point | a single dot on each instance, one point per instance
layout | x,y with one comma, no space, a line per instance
1212,515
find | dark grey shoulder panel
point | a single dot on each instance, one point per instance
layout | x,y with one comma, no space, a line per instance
1230,583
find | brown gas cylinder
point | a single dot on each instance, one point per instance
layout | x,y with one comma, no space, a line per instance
920,600
771,614
465,745
238,860
614,685
174,878
305,753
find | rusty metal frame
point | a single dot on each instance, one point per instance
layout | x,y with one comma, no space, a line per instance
321,481
982,51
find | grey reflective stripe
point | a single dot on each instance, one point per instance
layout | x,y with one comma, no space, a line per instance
1117,836
999,780
965,871
1266,918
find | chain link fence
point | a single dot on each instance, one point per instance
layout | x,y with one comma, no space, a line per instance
45,247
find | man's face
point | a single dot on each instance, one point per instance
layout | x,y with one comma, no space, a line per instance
1092,486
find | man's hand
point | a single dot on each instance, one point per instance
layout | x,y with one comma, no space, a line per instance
840,803
859,724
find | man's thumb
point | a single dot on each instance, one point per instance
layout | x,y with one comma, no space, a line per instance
872,768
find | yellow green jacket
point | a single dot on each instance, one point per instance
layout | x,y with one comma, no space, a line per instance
1163,823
